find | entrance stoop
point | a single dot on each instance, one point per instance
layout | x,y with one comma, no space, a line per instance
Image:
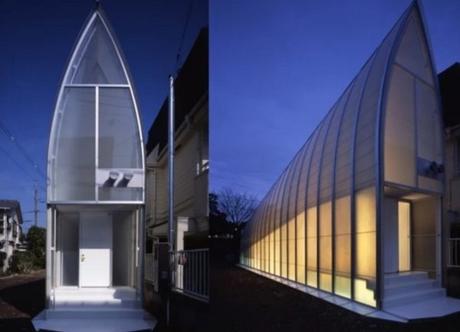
412,295
410,287
95,309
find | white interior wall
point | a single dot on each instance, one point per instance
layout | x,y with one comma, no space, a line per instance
390,235
67,242
123,248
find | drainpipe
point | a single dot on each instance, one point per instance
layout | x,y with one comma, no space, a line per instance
171,228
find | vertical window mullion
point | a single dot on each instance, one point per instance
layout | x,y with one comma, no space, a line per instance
96,141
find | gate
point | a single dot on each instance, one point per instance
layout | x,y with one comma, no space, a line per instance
191,277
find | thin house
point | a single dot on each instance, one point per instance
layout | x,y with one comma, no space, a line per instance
357,212
96,194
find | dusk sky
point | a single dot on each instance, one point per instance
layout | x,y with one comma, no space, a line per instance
278,66
36,39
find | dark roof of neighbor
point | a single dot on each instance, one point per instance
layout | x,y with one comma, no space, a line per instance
12,204
449,84
190,85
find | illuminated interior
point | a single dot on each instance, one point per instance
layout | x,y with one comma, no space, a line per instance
319,223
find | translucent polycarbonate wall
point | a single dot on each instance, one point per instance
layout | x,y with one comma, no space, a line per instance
96,149
318,223
413,130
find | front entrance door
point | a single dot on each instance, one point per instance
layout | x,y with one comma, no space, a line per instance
95,249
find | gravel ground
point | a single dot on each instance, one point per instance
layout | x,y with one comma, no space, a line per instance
21,298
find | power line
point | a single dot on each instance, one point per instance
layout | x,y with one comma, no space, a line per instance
18,164
187,19
23,151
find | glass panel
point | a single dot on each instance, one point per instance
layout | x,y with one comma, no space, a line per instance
300,238
267,237
429,133
343,246
302,184
312,265
284,235
119,194
278,227
400,129
73,174
292,215
330,149
292,249
365,238
119,144
96,59
364,162
272,230
413,52
325,256
343,163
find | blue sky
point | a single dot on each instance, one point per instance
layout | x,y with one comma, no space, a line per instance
36,38
278,66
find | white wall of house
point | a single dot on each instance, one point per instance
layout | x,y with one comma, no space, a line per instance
10,233
191,178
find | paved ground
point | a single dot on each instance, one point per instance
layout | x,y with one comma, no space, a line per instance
21,298
241,301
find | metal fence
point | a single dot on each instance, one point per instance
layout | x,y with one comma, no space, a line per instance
192,273
454,252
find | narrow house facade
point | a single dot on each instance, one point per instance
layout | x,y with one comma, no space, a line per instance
358,211
95,230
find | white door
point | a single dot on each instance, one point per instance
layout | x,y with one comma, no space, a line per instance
95,249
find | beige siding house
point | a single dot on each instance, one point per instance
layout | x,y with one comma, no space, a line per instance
191,164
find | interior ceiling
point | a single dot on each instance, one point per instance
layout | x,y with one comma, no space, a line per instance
98,207
403,193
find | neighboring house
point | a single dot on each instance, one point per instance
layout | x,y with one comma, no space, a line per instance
95,198
449,82
10,231
356,217
191,162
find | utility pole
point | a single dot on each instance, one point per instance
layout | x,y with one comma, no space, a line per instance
171,221
35,205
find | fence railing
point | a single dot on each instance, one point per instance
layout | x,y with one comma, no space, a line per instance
454,252
191,277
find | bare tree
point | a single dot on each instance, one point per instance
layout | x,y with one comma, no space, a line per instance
238,207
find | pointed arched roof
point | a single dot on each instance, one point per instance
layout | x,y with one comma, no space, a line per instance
96,128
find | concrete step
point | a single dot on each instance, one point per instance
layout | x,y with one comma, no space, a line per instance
112,303
95,312
413,296
407,287
405,277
